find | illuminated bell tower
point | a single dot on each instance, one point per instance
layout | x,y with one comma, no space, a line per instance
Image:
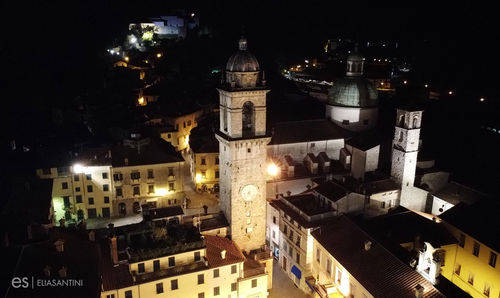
243,149
405,147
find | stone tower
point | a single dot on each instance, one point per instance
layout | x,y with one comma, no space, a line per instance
242,146
405,147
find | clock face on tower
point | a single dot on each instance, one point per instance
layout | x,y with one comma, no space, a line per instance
249,192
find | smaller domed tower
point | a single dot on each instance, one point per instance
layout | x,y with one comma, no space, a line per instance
353,100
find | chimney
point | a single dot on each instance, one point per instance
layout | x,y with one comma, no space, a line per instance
63,272
368,245
223,254
114,250
46,271
419,291
125,161
59,244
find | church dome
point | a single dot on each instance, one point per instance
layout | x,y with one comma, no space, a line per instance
353,92
242,60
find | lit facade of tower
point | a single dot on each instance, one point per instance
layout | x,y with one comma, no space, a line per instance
405,147
243,148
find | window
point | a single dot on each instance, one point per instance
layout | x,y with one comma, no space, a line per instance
318,255
171,186
118,177
151,188
249,150
150,174
137,190
298,241
216,273
171,171
203,161
201,295
486,290
106,200
140,267
184,124
156,265
475,249
169,136
217,160
493,259
274,219
171,261
110,296
290,251
345,122
203,174
104,175
297,258
67,204
233,269
254,283
201,279
91,201
285,229
77,189
189,122
233,287
471,278
119,192
274,234
461,242
339,276
313,145
135,175
89,176
78,198
128,294
217,174
76,177
197,256
65,185
216,291
92,213
382,205
174,285
458,267
329,266
159,288
90,188
105,187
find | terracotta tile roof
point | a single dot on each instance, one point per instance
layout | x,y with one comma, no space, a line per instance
217,244
380,272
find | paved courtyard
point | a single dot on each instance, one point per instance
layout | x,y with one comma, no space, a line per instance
283,287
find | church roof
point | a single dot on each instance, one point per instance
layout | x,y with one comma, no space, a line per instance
307,131
242,60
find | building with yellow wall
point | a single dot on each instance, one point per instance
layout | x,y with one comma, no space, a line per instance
146,170
476,268
347,262
202,266
205,164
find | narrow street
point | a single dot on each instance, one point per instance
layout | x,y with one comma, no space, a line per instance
283,286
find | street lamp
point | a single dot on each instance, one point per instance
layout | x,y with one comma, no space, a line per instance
273,171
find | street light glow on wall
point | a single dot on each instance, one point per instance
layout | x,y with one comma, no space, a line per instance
78,168
272,169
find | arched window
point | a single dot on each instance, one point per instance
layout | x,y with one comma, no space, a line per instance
402,121
248,119
400,136
224,118
415,122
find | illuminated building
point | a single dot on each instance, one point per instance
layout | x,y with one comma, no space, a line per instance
205,171
476,268
347,262
144,171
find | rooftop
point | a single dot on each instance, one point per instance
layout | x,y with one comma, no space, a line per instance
215,245
479,220
215,222
330,190
304,209
380,272
381,186
307,131
365,141
159,213
455,193
145,151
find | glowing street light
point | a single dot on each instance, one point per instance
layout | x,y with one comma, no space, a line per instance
405,82
482,99
141,100
426,86
158,55
198,178
127,58
192,14
78,168
450,92
306,61
272,169
161,192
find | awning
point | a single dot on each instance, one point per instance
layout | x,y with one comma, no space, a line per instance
296,271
